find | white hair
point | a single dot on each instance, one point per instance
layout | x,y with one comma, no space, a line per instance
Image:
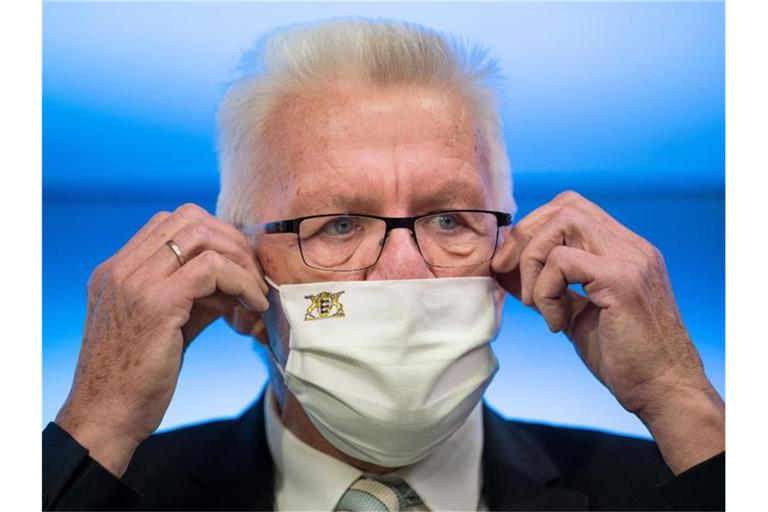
376,52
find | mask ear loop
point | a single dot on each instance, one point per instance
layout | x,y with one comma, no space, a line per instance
277,364
271,283
271,352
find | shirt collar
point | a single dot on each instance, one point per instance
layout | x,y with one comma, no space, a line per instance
450,478
308,479
305,478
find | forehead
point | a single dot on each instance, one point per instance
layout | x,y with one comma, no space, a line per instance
380,150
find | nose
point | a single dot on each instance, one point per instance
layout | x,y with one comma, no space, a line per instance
400,259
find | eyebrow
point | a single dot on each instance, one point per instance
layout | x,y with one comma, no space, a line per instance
454,194
340,203
449,195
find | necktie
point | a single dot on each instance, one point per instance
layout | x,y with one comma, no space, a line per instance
370,495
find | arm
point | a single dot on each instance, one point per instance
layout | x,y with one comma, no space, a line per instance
72,480
627,329
701,487
145,306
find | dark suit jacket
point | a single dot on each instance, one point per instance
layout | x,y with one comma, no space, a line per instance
226,465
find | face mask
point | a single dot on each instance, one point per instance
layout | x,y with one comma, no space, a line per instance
387,370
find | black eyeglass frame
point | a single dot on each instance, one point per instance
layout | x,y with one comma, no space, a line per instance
292,226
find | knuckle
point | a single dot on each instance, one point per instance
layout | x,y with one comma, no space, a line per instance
190,211
568,197
117,275
653,254
198,231
529,258
106,274
97,276
210,258
568,214
557,254
159,216
525,255
242,241
654,261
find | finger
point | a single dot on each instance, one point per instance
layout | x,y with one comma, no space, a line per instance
568,227
130,260
142,233
531,223
194,238
517,237
551,296
185,215
211,271
576,200
527,227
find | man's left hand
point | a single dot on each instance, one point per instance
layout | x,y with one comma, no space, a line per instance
627,330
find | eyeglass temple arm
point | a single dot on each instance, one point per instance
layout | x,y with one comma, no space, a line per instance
284,226
504,219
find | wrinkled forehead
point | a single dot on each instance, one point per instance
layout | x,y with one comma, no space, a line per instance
373,151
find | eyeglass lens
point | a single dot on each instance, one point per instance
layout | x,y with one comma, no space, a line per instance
350,242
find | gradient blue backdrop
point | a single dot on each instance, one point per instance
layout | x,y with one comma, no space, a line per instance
623,102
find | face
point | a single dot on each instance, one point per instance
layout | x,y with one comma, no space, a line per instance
396,152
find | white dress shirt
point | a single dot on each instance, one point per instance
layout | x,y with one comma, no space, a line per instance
450,478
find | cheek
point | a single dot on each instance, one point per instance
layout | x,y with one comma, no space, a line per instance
280,258
484,269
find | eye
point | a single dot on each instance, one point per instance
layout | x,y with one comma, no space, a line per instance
339,226
446,221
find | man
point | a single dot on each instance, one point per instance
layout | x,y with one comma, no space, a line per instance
364,186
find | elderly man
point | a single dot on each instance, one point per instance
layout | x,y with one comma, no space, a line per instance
364,237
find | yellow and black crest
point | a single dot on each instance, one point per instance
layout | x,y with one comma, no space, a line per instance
324,305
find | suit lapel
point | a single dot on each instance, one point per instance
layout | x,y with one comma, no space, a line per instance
517,474
239,474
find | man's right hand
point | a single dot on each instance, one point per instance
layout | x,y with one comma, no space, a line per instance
144,309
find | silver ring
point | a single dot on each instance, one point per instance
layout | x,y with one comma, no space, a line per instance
176,250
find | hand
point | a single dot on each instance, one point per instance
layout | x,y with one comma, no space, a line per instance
627,330
144,309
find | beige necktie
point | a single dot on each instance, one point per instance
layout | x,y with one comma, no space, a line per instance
367,494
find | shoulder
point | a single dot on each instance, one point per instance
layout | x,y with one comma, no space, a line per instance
188,440
227,445
614,471
173,454
583,453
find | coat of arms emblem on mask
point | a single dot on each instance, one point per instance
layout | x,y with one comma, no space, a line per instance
324,305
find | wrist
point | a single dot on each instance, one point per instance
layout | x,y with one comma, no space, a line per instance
106,444
688,425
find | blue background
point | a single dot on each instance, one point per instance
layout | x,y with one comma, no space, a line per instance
623,102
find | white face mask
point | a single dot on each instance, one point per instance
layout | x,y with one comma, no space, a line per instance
387,370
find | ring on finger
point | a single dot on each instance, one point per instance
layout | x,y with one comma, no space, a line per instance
176,250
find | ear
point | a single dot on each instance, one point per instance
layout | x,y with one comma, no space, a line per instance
247,323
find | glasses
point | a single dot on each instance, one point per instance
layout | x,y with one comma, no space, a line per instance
345,242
